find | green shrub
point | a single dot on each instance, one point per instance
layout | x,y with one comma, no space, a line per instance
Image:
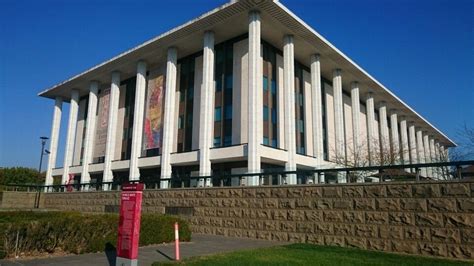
77,233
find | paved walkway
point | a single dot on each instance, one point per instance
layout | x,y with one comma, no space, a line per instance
200,245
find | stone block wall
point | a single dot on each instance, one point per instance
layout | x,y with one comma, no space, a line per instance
19,200
434,218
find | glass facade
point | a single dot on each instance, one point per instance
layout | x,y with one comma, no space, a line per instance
128,118
186,102
299,110
270,99
324,115
86,107
224,60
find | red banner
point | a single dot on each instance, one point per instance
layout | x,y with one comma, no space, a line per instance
129,222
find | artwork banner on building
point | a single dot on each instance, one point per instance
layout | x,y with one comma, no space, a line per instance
102,122
154,113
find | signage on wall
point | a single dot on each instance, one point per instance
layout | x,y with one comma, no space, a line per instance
129,224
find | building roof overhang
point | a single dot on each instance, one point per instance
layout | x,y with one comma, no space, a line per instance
231,20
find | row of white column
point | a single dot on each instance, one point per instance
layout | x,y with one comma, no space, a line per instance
388,146
421,150
206,116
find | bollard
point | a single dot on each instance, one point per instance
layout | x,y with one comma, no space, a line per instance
176,239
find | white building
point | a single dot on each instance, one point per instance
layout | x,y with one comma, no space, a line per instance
245,87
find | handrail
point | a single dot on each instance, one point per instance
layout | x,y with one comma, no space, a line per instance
222,177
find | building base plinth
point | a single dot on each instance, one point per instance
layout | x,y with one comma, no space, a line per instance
126,262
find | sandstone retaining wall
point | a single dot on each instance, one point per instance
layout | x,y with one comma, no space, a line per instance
19,200
419,218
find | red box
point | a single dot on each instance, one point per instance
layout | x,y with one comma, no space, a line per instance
129,221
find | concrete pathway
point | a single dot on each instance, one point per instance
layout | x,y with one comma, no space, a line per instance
200,245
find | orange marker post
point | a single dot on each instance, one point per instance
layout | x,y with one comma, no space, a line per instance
176,240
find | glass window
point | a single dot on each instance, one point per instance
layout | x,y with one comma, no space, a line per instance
227,140
274,87
301,99
217,141
274,116
265,113
180,122
218,83
265,141
190,93
220,55
228,82
265,83
302,151
301,126
217,114
274,143
228,112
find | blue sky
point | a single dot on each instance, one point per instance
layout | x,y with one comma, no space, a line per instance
421,50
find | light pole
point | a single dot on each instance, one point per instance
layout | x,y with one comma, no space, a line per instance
43,152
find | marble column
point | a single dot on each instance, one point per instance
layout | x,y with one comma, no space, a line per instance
111,128
395,137
426,146
356,132
289,87
317,108
384,135
371,129
405,148
54,139
71,135
420,151
137,132
339,122
439,159
413,149
254,100
434,170
168,119
90,132
207,110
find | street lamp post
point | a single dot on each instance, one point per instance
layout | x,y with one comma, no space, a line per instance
43,152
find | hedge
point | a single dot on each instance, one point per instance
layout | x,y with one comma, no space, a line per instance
77,233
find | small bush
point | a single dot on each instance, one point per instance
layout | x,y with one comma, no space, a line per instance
77,233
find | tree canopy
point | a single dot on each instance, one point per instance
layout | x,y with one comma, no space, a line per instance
20,175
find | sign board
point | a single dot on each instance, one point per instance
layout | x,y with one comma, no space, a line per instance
129,224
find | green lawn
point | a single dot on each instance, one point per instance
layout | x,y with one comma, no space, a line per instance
306,254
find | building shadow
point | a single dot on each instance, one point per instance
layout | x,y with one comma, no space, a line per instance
111,253
164,255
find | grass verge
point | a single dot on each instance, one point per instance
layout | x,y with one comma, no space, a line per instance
307,254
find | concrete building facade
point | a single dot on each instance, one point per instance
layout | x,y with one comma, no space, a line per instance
243,88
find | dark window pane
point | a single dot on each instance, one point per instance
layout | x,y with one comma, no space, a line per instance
228,112
228,82
217,141
265,141
274,116
217,114
274,143
218,83
227,140
273,87
265,113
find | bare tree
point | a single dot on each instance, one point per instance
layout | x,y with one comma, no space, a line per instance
359,156
465,140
